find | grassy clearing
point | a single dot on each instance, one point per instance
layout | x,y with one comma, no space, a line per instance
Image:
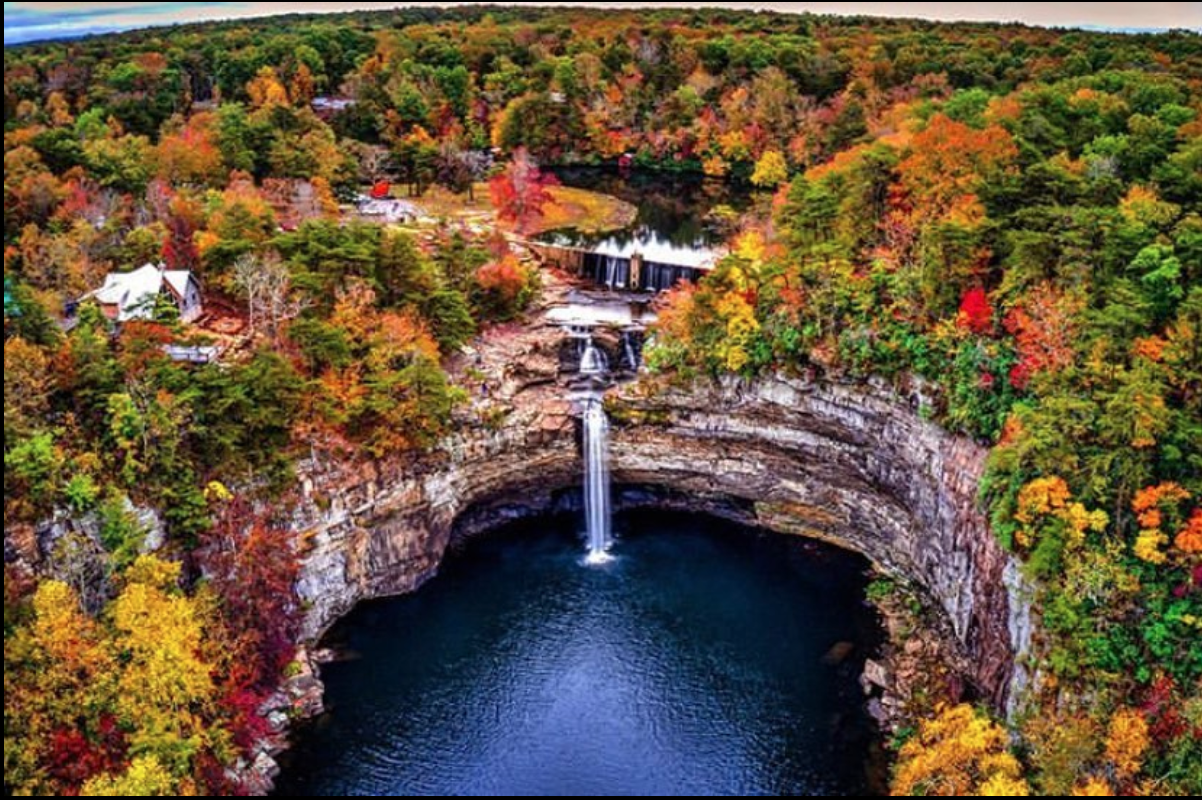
586,211
581,209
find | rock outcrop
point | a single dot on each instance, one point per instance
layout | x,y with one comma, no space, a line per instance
850,464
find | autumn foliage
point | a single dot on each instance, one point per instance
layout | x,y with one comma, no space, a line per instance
959,752
504,286
1158,513
138,685
1043,327
520,192
976,314
1000,222
946,165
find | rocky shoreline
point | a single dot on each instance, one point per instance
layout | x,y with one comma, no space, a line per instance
299,697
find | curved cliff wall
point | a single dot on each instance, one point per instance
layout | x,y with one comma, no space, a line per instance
851,464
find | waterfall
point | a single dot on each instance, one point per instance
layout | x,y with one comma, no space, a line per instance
592,360
613,272
596,481
632,358
596,457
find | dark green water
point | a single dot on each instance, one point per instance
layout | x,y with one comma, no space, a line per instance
691,664
672,210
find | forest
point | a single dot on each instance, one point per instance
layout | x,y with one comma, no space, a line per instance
1008,217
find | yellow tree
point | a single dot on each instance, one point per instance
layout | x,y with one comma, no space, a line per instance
165,685
1093,787
1127,740
1047,501
738,317
27,385
144,777
304,86
266,89
1157,509
770,170
715,166
57,673
959,751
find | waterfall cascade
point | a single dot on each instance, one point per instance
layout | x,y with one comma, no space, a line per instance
592,359
594,365
589,391
596,481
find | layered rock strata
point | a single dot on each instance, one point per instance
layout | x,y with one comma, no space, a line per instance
855,465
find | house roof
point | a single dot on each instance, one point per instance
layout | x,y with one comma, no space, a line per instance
194,354
332,103
178,279
131,291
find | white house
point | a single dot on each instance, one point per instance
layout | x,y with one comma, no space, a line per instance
131,295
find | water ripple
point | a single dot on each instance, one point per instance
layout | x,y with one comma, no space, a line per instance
690,664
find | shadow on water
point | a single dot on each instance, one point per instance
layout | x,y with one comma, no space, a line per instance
695,662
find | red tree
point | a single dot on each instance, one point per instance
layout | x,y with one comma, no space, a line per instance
976,314
520,192
1043,325
77,754
179,249
251,563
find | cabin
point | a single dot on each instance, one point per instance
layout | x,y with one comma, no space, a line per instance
131,295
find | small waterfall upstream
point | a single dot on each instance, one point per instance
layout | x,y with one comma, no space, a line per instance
613,272
596,481
628,351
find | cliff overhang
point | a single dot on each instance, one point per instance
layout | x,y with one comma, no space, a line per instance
851,464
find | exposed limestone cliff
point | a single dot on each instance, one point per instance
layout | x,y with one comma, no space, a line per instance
851,464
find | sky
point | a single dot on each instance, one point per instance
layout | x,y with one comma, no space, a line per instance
41,20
